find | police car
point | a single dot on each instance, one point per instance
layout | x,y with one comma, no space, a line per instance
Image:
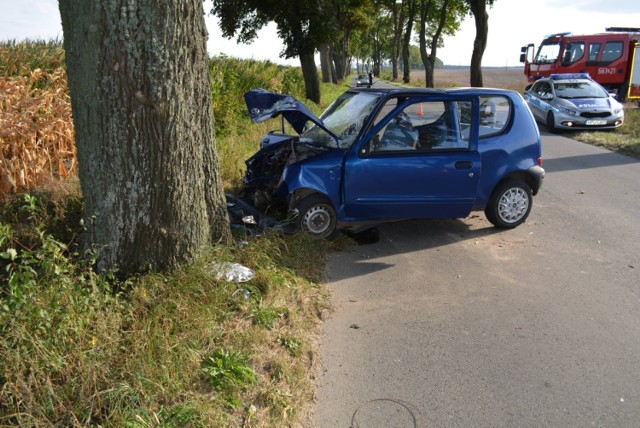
573,101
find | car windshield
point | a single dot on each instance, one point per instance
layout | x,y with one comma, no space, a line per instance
345,117
548,53
582,89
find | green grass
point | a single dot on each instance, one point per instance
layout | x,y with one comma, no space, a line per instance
80,348
181,348
625,140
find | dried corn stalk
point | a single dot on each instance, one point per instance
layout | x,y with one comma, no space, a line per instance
36,130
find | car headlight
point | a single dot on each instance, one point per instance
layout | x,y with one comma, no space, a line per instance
617,110
567,110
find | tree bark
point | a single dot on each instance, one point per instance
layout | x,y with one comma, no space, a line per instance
141,100
325,64
310,74
479,10
406,67
398,24
338,61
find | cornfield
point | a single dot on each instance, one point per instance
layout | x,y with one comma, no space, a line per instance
36,127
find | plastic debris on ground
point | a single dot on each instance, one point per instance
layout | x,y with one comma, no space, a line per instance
231,272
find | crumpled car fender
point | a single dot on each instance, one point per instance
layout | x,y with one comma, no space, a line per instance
315,177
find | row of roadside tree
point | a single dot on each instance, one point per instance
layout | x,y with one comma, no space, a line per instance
344,30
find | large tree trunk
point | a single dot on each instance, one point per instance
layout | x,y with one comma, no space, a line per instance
479,10
325,64
338,61
141,102
429,60
406,76
334,73
397,15
310,74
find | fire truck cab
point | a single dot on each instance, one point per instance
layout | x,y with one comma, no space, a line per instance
608,58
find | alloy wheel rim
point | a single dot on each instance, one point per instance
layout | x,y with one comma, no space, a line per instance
513,205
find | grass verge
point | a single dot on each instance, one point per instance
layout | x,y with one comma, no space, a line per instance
624,140
185,348
182,348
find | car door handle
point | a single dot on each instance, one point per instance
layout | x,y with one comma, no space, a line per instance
464,165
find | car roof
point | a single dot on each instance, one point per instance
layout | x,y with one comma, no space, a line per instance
431,91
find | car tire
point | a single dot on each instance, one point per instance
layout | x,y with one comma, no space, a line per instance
510,204
551,122
317,217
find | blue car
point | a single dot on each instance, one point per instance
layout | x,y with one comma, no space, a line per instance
380,155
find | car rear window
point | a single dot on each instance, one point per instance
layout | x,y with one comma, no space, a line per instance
495,112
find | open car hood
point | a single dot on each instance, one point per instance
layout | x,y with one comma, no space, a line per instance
263,105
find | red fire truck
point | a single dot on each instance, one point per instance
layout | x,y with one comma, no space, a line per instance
609,58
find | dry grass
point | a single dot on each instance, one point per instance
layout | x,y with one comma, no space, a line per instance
36,130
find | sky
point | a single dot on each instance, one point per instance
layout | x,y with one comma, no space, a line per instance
511,25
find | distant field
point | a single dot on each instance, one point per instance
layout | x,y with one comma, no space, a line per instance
507,78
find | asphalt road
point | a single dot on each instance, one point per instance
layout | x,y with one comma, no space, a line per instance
455,323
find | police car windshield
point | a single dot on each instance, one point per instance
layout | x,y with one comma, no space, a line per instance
579,89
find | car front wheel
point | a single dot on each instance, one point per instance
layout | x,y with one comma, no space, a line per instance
551,122
510,204
317,217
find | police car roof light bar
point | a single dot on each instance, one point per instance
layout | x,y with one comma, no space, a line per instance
563,76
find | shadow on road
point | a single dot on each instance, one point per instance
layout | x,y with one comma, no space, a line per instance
597,160
411,236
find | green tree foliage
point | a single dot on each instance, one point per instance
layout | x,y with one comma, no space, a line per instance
349,19
301,26
369,31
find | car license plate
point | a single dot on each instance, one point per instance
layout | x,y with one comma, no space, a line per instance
596,122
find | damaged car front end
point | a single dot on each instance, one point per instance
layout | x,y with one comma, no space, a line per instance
278,176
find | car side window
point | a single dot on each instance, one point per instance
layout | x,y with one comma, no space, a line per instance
574,52
543,90
495,112
612,51
422,127
594,50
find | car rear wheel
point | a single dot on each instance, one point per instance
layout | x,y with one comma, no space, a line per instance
317,217
551,122
510,204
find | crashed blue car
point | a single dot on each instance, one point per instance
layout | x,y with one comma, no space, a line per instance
380,155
